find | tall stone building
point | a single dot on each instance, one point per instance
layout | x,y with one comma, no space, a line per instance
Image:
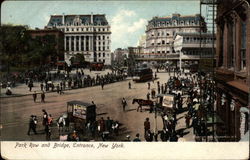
160,31
233,69
89,35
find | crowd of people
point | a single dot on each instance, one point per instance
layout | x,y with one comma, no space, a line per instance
57,81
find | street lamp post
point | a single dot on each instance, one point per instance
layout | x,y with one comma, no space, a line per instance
155,120
180,62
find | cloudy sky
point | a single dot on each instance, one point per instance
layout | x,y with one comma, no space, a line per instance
127,18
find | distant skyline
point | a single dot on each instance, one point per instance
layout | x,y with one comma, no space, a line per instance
127,19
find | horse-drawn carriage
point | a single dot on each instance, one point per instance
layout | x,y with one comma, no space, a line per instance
81,113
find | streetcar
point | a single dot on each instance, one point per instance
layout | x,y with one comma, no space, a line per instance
142,74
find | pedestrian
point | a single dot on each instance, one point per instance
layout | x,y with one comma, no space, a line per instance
148,96
32,124
158,84
148,85
30,85
52,87
43,97
124,103
45,117
102,85
159,90
129,85
146,126
137,138
153,93
34,96
41,85
115,127
187,120
101,125
50,120
60,124
162,89
48,133
109,124
57,88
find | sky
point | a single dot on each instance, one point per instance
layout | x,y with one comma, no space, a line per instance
128,19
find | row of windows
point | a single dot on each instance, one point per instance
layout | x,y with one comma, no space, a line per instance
86,37
81,48
159,43
191,39
160,52
194,52
160,34
100,55
173,23
86,29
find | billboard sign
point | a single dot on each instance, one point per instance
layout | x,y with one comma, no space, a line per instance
168,101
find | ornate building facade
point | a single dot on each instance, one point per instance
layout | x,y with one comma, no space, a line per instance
160,31
89,35
233,69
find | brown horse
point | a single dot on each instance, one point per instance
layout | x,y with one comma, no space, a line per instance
142,102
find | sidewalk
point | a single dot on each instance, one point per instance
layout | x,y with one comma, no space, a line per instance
23,90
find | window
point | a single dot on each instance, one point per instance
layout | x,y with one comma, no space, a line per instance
243,46
163,42
99,54
103,54
103,60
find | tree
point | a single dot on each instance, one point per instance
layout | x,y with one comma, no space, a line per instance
12,44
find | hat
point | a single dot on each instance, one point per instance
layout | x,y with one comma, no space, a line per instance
128,136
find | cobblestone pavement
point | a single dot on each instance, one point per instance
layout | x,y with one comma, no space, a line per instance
15,111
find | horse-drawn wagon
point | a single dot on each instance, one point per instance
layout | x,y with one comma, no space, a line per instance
81,113
166,102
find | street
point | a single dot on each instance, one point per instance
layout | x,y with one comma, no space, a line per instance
16,111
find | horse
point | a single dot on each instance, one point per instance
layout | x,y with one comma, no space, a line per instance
143,102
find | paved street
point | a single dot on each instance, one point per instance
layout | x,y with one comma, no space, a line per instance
16,111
